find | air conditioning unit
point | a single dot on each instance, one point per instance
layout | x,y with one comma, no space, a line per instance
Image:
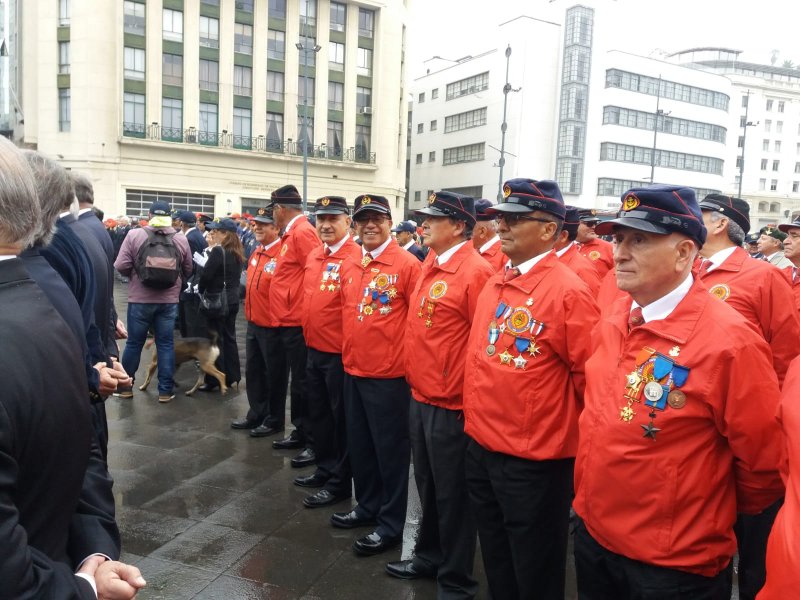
366,110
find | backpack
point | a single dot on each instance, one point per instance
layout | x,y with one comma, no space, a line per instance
158,260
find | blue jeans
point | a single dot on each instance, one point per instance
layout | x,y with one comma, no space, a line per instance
161,317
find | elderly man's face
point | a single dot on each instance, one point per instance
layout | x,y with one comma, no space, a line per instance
523,236
586,231
791,245
768,244
332,228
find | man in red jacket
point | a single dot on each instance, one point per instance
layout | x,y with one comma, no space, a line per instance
485,238
791,250
599,252
285,339
523,391
567,250
376,290
678,431
442,307
322,328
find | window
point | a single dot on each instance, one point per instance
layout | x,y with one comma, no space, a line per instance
421,98
210,2
420,127
434,93
362,142
209,123
769,105
417,196
277,10
242,128
276,44
779,127
171,119
469,153
137,202
134,18
335,138
308,13
209,75
798,148
336,56
776,165
366,22
242,80
432,156
738,163
363,98
434,125
364,62
274,131
63,57
764,163
64,110
795,186
133,114
797,167
762,185
338,16
465,120
669,89
173,25
765,145
209,32
172,69
470,85
275,86
773,185
244,5
781,105
307,55
617,187
305,133
663,158
335,95
63,13
419,159
243,38
305,90
777,145
768,125
134,63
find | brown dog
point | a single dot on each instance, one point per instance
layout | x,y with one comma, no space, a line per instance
204,351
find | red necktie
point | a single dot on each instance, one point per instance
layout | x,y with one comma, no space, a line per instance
704,265
511,274
327,251
635,318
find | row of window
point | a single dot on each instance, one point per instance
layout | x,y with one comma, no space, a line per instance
468,85
465,120
773,187
663,158
434,95
138,202
473,191
615,115
461,154
616,187
654,86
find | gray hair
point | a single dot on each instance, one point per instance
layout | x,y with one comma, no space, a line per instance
735,232
83,188
54,191
19,211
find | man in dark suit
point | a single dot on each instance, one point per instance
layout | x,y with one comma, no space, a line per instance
191,321
404,233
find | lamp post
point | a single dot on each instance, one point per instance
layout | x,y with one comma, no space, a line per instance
504,126
659,113
306,49
744,140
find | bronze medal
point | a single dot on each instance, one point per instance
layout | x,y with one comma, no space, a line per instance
490,349
676,399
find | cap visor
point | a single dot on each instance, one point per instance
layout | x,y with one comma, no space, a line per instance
374,208
266,220
331,211
509,207
607,227
431,212
785,227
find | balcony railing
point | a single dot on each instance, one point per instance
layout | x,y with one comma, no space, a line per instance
225,139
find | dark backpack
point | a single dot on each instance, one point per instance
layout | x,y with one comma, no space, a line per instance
158,260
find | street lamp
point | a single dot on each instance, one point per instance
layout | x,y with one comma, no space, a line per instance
659,113
504,126
305,48
744,139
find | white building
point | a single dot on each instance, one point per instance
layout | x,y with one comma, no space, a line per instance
201,102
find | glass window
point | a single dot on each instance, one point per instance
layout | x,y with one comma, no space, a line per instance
745,101
336,56
134,63
366,22
276,44
777,145
209,32
338,16
305,126
773,185
762,185
470,85
768,125
277,10
274,131
335,137
432,156
417,196
209,123
209,75
63,57
275,86
779,127
420,127
172,69
134,18
363,98
305,90
421,98
244,5
307,55
173,25
364,62
171,119
419,159
776,165
363,133
242,80
469,153
434,93
465,120
434,125
764,163
335,95
210,2
63,13
308,13
769,105
781,106
137,202
64,110
242,128
133,114
243,38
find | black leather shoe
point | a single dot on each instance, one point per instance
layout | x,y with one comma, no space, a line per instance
304,459
291,442
349,520
265,430
406,569
313,481
373,544
243,424
323,498
208,388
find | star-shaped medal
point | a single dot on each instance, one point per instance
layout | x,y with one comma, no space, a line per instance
392,292
505,357
529,302
428,323
650,430
385,310
332,288
626,414
502,327
676,350
533,349
519,362
372,285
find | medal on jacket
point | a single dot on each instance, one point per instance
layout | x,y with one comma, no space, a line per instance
330,278
269,268
517,322
378,295
437,290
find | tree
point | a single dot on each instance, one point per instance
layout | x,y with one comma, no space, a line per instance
788,64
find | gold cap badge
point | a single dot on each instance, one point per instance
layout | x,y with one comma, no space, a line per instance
431,199
325,201
506,191
366,200
630,202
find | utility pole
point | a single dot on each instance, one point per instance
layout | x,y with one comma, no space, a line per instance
655,133
305,48
744,140
504,127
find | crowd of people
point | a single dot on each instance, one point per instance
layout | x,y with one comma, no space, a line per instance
524,365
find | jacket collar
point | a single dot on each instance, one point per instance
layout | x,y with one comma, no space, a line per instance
454,262
527,283
387,256
734,262
13,270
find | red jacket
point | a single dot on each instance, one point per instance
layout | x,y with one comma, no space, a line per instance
759,292
600,253
672,501
322,312
609,292
260,269
531,411
495,257
373,327
783,548
793,277
582,267
439,319
286,291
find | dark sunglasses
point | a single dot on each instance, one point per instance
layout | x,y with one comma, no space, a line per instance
512,219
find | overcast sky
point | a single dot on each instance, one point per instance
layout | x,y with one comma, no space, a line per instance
455,28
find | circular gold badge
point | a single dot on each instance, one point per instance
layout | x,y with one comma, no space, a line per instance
438,289
366,200
630,202
519,320
325,201
381,281
720,291
594,255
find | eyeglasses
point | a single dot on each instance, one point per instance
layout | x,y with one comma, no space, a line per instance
590,224
363,220
512,219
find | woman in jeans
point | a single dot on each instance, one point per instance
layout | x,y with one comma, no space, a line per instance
224,266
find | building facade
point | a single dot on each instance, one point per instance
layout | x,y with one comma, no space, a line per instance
212,104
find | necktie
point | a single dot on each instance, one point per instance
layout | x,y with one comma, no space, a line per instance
511,274
635,318
366,260
704,265
327,251
794,274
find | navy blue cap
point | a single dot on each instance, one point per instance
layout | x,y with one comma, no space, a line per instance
481,207
287,194
450,204
264,215
752,238
331,205
185,216
406,226
223,224
160,208
527,195
660,209
204,218
588,214
736,209
572,218
785,227
371,202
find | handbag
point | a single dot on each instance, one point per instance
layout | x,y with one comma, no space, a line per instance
215,304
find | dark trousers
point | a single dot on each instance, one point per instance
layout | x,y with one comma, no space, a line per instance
260,384
287,345
604,575
447,534
228,359
376,412
192,322
522,511
752,532
325,387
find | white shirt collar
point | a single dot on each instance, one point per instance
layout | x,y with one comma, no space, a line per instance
271,244
84,210
773,255
290,223
64,214
720,257
489,244
335,248
7,257
528,264
378,251
663,307
448,254
190,229
409,244
560,253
